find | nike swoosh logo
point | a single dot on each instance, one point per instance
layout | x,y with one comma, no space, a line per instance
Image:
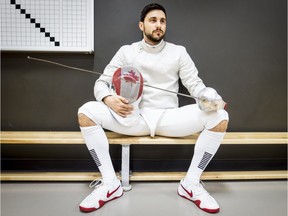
110,194
189,193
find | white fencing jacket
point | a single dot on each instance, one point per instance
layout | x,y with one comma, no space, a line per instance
161,66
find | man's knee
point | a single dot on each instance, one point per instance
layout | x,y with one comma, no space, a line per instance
221,127
84,121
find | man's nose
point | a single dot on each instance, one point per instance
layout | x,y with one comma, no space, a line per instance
158,24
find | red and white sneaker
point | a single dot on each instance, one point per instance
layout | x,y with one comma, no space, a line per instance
197,194
102,194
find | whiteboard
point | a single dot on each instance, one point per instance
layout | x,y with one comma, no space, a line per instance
47,25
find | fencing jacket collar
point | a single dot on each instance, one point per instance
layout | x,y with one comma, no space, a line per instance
143,46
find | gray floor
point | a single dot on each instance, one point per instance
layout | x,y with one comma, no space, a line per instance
249,198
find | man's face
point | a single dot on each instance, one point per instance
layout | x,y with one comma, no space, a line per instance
153,27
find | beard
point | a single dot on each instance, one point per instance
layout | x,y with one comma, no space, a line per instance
154,39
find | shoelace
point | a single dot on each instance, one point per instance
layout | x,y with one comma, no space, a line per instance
199,188
96,183
98,190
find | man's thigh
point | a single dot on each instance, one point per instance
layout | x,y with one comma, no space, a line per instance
188,120
101,115
181,121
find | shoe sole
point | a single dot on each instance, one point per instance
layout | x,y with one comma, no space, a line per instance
198,202
101,204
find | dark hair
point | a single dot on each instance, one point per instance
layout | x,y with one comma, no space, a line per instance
148,8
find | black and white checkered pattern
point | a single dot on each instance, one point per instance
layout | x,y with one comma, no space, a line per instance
34,22
95,157
205,160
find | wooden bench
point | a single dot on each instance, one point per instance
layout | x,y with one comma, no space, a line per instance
70,138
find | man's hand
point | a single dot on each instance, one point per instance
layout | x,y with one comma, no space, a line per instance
118,104
209,100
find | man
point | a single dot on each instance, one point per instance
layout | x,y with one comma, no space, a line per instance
156,112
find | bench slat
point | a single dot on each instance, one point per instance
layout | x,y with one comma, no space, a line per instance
57,137
143,176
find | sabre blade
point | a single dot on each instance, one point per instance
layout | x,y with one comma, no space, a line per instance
66,66
101,74
180,94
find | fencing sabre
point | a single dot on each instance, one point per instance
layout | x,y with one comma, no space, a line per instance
127,89
98,73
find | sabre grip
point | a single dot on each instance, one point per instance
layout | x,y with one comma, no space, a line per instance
209,100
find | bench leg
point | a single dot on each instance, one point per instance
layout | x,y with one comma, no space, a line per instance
125,167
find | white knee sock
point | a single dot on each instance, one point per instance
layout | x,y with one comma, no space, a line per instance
205,148
98,146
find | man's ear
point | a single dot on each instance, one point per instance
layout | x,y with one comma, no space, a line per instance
141,24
